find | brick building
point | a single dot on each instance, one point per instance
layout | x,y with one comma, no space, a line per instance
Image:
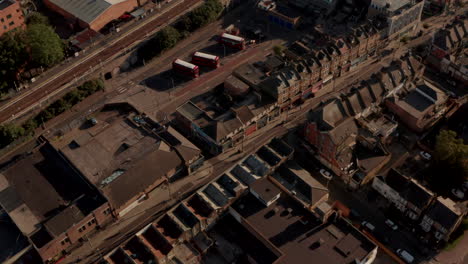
93,14
11,16
51,205
420,107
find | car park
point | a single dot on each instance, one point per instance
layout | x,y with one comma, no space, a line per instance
407,257
391,224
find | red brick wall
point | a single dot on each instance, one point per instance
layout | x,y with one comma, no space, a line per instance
405,117
101,217
17,18
52,248
74,234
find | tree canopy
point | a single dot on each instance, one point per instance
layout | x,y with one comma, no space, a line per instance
37,18
45,45
13,55
450,166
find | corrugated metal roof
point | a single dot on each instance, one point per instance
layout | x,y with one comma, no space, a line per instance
85,10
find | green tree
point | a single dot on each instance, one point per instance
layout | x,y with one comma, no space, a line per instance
29,126
450,158
13,57
9,133
45,45
167,38
37,18
278,49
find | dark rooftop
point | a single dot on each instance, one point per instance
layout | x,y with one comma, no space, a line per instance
268,156
444,212
157,241
185,216
168,228
6,3
199,206
409,189
299,235
139,251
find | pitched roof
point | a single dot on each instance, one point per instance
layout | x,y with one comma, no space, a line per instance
409,189
444,212
85,10
145,172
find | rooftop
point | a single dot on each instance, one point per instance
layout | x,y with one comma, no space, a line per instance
86,10
445,212
120,155
6,3
297,180
299,235
409,189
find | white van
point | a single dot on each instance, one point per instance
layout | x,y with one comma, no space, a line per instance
405,255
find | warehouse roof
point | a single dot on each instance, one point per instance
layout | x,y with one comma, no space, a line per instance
85,10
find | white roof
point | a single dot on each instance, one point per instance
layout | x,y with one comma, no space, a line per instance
205,55
229,36
85,10
185,64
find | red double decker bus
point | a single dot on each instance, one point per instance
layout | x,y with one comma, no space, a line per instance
185,68
203,59
232,41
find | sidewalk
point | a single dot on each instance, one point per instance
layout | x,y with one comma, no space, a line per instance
457,255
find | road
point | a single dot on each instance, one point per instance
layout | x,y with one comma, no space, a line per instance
52,85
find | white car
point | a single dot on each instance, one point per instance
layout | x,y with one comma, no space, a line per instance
391,224
326,174
368,225
458,193
407,257
425,155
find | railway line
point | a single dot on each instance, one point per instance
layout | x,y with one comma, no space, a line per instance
47,88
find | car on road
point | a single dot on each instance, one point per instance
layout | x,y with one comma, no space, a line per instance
458,193
407,257
391,224
425,155
326,174
368,225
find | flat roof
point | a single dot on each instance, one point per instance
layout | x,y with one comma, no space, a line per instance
300,235
26,194
120,156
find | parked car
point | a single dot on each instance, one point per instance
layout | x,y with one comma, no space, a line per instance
326,174
368,225
458,193
391,224
425,155
407,257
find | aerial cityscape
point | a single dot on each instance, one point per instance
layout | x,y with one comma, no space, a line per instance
234,131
